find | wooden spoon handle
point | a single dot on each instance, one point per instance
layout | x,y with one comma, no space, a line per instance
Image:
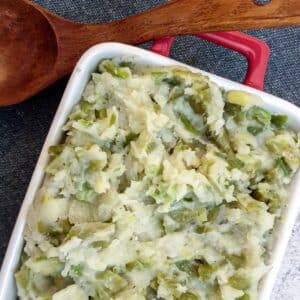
179,17
194,16
176,17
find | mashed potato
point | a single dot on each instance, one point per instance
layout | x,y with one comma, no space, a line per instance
165,186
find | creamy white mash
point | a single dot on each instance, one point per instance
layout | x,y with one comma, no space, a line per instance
165,186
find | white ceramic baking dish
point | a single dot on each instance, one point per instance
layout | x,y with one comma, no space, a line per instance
72,94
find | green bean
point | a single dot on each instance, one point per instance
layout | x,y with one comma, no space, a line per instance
153,170
188,266
236,260
23,277
131,136
235,111
150,147
76,271
128,64
188,124
172,81
84,106
254,130
185,215
205,271
86,193
109,67
55,149
235,163
213,213
232,109
99,244
196,104
270,197
94,165
102,293
260,115
189,296
279,120
244,297
84,122
239,282
112,281
112,120
281,163
176,92
101,113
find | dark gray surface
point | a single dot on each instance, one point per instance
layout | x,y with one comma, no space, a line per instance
23,127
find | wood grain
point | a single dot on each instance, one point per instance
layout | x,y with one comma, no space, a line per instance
38,47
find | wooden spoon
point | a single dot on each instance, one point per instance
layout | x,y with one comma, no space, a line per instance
38,47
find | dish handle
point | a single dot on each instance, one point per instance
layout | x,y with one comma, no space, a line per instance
255,50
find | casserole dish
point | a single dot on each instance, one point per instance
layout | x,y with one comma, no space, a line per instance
73,92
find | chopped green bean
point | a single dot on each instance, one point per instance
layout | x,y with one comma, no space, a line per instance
23,277
188,124
239,282
109,67
254,130
186,215
172,81
279,120
244,297
188,266
126,63
237,261
76,271
55,149
84,122
131,136
86,193
281,163
94,165
205,271
189,296
84,106
176,92
101,113
112,281
260,115
150,147
112,120
235,163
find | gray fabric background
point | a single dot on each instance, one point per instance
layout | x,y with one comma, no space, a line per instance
23,127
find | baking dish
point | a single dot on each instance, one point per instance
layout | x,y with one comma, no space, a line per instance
72,94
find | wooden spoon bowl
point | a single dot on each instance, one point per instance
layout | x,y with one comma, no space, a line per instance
28,51
38,47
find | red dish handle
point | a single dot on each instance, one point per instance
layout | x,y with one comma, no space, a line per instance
255,50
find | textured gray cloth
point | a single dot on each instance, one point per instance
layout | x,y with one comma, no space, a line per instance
23,127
